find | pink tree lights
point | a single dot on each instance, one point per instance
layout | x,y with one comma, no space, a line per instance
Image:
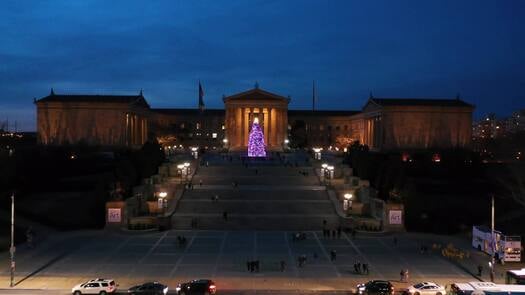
256,146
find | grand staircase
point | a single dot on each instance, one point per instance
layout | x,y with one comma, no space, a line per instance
268,196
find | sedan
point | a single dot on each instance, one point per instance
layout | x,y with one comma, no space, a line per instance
426,288
150,288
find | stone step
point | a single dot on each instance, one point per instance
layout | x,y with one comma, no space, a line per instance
254,222
305,207
255,195
256,180
256,187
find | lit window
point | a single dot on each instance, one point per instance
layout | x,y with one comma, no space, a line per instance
198,126
214,135
222,127
182,125
321,127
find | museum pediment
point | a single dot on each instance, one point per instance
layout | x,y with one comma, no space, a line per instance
256,94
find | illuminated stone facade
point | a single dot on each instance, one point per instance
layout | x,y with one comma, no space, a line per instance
116,121
383,124
271,111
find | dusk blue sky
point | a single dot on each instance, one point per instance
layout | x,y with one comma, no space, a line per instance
391,48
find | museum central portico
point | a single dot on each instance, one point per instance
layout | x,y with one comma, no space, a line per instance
270,109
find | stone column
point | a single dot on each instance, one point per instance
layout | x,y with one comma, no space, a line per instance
246,126
265,115
285,123
237,128
273,128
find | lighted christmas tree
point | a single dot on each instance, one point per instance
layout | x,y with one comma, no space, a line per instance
256,146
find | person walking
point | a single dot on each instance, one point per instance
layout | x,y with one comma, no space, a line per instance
333,255
365,268
200,182
402,275
480,270
282,265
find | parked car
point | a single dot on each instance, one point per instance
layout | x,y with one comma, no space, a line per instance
95,286
197,287
376,287
149,288
426,288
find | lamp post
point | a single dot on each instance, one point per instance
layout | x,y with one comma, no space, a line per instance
347,203
286,142
317,153
195,152
186,170
180,169
225,143
323,171
493,241
330,173
161,203
12,249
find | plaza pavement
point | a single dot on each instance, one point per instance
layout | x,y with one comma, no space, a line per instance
66,259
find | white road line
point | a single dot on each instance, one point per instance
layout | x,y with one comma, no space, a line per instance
294,267
362,255
152,248
402,259
182,255
224,238
326,254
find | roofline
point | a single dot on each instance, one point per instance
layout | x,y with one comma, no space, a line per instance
254,90
373,100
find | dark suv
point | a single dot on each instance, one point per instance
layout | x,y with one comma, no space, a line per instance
376,287
197,287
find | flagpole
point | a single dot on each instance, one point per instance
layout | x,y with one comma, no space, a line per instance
313,95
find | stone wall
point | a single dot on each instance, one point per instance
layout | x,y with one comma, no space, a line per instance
422,128
105,124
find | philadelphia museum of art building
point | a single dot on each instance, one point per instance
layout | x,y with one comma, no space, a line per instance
383,124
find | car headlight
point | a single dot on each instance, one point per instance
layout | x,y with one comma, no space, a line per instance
166,290
177,289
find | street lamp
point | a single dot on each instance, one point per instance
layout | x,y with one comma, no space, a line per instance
347,203
493,242
317,153
180,169
186,170
162,202
225,143
323,171
195,152
12,249
330,172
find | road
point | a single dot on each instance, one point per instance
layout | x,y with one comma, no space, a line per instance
223,292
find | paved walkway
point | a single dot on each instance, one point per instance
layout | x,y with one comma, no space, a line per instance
70,258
